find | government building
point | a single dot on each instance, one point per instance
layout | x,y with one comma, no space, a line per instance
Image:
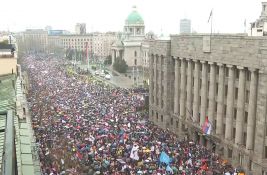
222,78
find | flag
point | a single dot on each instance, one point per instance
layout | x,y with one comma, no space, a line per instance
206,128
79,155
169,169
134,153
164,158
210,16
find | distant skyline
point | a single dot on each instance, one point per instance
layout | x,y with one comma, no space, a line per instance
160,16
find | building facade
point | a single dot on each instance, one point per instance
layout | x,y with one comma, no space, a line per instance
185,26
128,46
80,29
98,44
223,78
35,40
259,27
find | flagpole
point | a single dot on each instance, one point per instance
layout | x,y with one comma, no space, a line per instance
211,22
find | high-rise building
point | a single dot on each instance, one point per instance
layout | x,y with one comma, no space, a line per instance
80,28
219,80
185,26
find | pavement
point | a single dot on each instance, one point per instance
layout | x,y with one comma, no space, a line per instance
117,79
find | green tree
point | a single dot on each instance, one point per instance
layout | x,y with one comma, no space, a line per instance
108,60
120,65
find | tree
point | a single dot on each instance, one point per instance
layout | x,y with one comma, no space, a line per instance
120,65
70,54
108,60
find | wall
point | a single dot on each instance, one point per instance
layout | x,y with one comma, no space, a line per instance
7,64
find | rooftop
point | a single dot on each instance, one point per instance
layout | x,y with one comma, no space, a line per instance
13,128
134,17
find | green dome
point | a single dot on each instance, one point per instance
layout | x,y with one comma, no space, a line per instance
134,18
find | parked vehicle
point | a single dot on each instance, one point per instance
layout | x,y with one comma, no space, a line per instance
108,77
102,74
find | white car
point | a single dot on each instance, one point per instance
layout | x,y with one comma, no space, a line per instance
107,77
102,74
96,72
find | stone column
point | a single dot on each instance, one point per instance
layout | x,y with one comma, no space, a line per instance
151,79
230,103
260,126
212,91
183,90
220,101
155,80
113,56
240,106
252,110
203,93
176,86
196,92
189,90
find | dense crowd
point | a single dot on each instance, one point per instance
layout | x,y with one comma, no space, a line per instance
83,126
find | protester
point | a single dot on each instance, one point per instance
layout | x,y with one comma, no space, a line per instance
83,126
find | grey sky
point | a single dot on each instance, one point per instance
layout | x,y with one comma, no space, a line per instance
109,15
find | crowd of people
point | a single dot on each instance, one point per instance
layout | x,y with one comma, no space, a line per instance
83,126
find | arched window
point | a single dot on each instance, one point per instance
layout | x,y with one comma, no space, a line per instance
135,53
135,61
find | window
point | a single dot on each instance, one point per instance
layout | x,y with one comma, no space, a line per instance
236,93
224,129
246,117
237,74
157,116
177,124
161,118
247,96
235,112
245,138
234,133
138,31
135,61
226,90
217,88
171,121
227,72
162,103
230,153
248,76
265,152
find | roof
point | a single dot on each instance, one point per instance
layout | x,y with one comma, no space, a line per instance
134,17
118,43
26,161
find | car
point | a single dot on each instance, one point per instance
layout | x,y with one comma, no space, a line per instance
96,72
102,74
108,76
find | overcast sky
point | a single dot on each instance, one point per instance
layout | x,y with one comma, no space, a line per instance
110,15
